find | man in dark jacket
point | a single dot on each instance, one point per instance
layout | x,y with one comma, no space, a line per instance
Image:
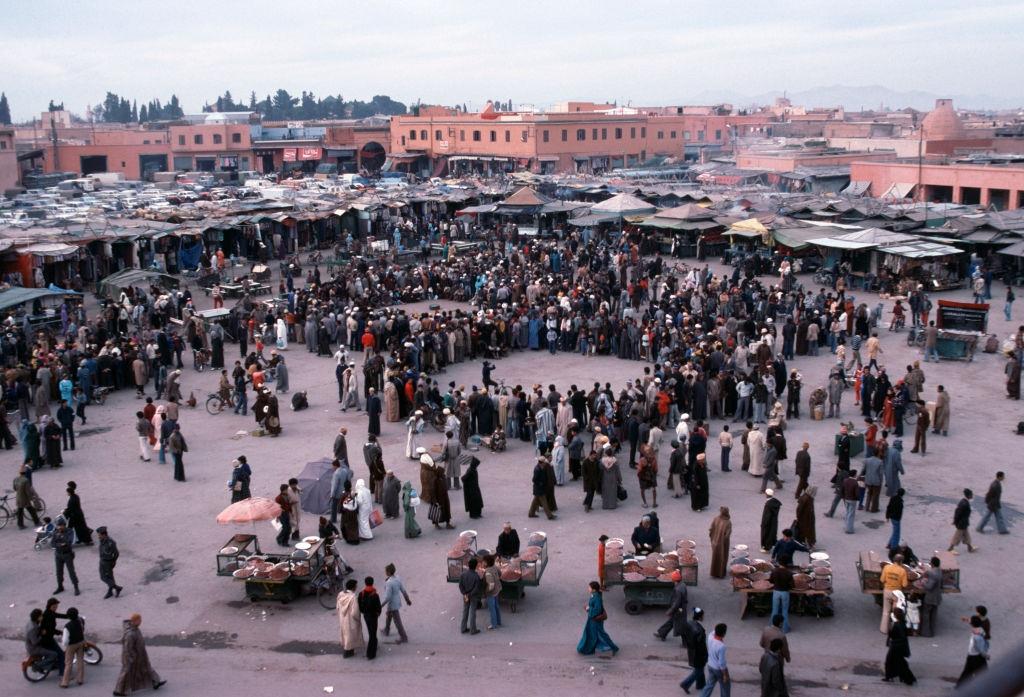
540,490
108,560
932,597
962,523
773,682
696,640
369,608
676,610
471,588
994,504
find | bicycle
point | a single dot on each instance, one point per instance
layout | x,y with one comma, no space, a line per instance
200,359
916,337
331,581
5,512
215,404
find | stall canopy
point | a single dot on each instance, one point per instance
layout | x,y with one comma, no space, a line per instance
623,205
12,297
112,285
52,250
523,201
476,210
863,239
1014,250
922,249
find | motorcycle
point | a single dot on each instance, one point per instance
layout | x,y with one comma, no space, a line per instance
37,668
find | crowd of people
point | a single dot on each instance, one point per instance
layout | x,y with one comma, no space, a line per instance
708,347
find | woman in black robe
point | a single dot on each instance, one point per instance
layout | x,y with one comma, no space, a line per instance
76,517
471,490
699,494
729,390
484,414
896,665
349,516
391,495
549,484
373,409
441,499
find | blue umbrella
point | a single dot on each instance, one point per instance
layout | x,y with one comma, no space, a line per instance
315,483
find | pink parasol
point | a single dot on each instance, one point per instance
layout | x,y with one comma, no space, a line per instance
249,511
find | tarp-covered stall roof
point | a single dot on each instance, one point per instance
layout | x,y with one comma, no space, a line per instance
112,285
12,297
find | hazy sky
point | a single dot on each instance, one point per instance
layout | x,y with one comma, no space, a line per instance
454,51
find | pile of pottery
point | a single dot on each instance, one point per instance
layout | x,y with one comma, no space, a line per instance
656,566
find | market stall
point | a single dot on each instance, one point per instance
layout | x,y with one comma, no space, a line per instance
284,576
869,574
516,572
961,326
812,584
646,580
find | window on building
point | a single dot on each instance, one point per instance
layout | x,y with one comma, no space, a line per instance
236,137
524,135
618,134
604,134
197,139
565,135
632,132
181,140
545,136
643,131
581,134
476,136
686,135
423,134
437,135
494,136
508,136
718,134
593,134
462,134
700,136
412,135
218,139
3,145
661,135
403,140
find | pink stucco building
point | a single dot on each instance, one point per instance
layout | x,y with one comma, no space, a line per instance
8,160
1001,186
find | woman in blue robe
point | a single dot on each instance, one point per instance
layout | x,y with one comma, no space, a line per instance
595,638
534,334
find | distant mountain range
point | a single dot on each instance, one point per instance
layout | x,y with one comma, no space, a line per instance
855,98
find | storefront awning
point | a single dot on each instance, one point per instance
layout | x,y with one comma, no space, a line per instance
52,250
548,158
898,190
342,152
856,188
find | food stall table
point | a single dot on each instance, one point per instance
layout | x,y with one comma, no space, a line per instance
232,290
282,577
517,573
869,574
646,579
812,584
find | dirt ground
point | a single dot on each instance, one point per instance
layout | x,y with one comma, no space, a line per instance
205,637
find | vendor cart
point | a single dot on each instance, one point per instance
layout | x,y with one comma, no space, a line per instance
517,573
812,584
646,580
869,573
260,272
307,569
